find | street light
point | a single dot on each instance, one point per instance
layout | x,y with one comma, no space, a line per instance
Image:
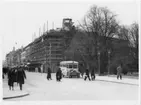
50,54
99,61
109,52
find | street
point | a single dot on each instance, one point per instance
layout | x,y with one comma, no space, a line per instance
40,89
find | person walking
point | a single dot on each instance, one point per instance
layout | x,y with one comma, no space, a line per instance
11,78
49,74
87,75
14,73
41,69
58,75
82,69
20,76
119,72
93,74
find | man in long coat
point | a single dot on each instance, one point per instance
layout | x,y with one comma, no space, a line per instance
49,74
93,74
119,72
20,77
11,79
58,74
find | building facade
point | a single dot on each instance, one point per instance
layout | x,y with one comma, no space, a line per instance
46,51
13,58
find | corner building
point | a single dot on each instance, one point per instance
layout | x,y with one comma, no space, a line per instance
46,51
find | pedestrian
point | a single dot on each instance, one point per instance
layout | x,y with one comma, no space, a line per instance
87,75
41,69
11,79
49,74
58,74
93,74
14,73
36,69
3,76
119,72
81,70
21,76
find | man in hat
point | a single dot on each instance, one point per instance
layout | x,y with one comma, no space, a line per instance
119,72
20,77
49,74
59,74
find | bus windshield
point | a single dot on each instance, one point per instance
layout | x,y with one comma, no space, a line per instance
69,64
72,66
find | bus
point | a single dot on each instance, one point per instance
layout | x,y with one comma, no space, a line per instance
70,69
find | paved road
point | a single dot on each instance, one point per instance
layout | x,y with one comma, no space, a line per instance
75,89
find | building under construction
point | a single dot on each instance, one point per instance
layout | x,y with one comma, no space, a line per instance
47,50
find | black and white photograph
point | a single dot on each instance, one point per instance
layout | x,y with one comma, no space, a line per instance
70,51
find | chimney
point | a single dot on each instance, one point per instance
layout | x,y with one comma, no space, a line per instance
13,48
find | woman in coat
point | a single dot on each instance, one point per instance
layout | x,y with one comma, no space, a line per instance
20,77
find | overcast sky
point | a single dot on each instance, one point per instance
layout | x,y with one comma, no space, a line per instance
21,19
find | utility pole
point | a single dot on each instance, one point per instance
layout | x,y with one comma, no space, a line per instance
73,57
46,57
34,35
53,25
50,53
39,31
44,28
47,26
99,61
109,62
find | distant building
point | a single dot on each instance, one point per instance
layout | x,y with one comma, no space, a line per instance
9,58
14,58
4,63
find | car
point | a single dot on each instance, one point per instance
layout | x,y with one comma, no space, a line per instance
73,73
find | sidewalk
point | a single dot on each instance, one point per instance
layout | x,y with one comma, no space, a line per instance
114,79
16,93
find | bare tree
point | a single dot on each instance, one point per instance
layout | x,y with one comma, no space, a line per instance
130,34
134,41
99,24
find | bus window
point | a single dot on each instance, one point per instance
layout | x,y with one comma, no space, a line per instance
70,66
74,66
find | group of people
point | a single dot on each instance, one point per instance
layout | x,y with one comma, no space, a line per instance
58,74
119,73
87,74
16,74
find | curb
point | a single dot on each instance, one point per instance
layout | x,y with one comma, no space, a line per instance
117,82
4,98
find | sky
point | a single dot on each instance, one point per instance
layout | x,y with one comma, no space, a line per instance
20,20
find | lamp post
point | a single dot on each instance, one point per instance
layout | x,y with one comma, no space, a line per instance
99,62
109,52
45,59
50,54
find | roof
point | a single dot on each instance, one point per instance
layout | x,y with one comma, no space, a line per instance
68,62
